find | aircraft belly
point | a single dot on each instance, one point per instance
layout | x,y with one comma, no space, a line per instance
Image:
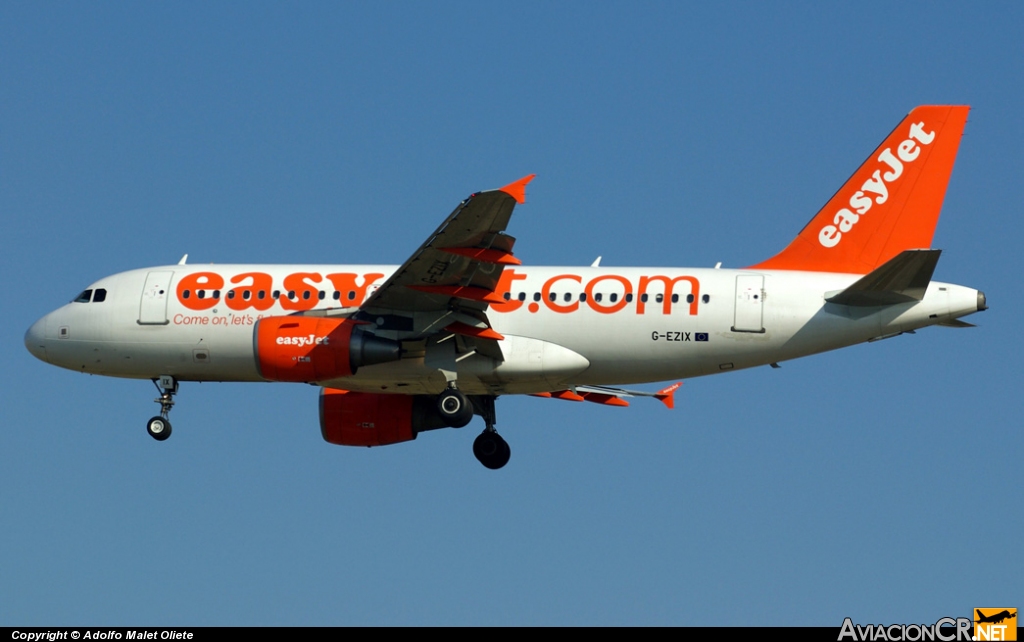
529,365
621,348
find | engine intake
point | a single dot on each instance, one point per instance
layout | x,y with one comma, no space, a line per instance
308,349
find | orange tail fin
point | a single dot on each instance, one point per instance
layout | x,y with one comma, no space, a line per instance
890,204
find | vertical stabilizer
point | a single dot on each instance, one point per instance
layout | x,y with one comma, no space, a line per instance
890,204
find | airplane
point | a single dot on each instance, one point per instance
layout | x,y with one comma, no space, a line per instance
995,618
401,350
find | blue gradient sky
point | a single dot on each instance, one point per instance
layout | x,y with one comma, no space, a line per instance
876,482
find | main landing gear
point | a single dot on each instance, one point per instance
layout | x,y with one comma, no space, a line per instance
457,410
159,428
490,449
455,407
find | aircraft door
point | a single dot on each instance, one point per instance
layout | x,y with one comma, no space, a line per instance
153,307
749,303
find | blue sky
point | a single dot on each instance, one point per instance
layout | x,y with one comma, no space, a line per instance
875,482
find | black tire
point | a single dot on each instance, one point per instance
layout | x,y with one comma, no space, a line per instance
455,408
491,450
159,428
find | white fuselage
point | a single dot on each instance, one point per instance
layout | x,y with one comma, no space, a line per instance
627,327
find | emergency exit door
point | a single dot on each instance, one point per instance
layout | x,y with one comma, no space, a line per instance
749,303
153,308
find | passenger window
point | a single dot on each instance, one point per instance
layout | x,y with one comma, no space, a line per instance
305,295
675,298
568,297
84,297
99,296
689,298
320,295
231,294
552,296
216,294
536,296
508,296
658,298
351,295
246,294
643,298
261,295
276,294
291,294
583,296
522,296
705,298
597,297
613,297
185,294
629,298
336,296
201,294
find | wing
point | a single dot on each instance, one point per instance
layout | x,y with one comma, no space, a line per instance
449,281
612,396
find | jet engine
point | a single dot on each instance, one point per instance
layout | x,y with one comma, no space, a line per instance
370,419
298,348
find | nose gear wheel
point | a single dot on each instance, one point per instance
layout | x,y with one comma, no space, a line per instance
159,428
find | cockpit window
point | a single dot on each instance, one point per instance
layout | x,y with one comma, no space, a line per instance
84,297
100,296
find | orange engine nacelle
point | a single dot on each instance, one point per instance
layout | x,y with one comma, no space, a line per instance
298,348
369,419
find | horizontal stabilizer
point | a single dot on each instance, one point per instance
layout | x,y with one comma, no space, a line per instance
901,279
956,323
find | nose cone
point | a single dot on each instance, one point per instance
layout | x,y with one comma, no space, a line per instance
35,339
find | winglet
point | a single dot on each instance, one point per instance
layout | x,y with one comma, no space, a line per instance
517,190
667,396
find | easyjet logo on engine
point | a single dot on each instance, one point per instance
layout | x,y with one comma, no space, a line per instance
311,340
875,190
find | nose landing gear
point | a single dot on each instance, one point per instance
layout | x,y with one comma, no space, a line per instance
159,428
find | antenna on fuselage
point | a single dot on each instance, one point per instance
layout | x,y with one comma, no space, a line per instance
596,263
183,259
